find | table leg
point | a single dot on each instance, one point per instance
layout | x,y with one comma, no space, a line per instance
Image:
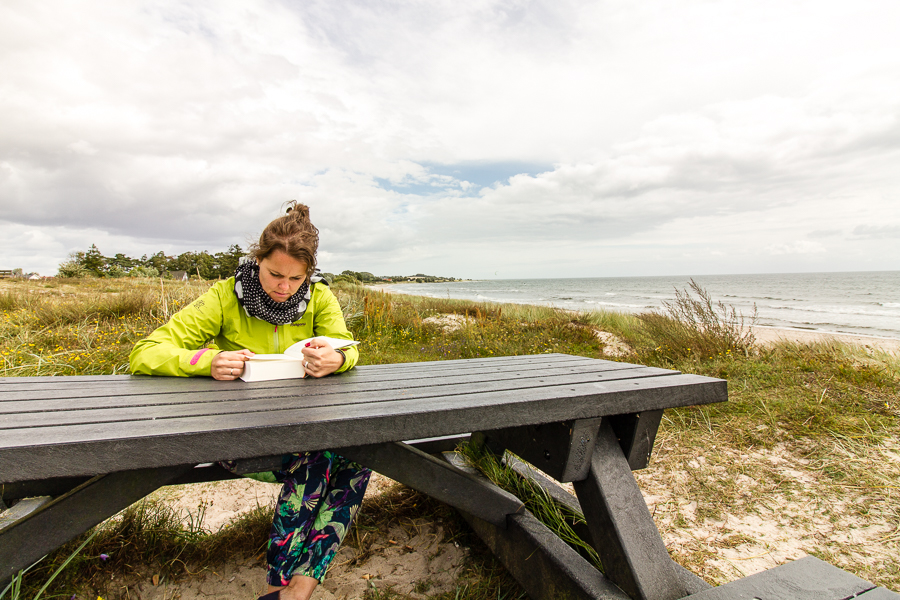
440,480
631,550
73,513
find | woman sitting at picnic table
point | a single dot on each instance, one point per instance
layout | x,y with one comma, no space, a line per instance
276,298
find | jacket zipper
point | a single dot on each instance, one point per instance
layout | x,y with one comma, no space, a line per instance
276,340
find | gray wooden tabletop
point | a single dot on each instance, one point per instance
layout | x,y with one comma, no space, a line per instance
64,426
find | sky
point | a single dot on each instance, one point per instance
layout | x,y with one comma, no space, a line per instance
472,139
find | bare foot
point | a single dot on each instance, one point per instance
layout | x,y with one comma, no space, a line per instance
300,588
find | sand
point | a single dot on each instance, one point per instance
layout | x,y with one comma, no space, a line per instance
409,556
766,335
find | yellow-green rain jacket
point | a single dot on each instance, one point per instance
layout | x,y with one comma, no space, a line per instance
178,347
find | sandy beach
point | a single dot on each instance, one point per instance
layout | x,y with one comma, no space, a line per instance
766,335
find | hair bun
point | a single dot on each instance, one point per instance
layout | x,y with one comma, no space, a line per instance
297,211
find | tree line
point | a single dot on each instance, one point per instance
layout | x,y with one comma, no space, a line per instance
93,263
221,265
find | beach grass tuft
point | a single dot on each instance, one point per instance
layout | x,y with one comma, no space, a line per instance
693,326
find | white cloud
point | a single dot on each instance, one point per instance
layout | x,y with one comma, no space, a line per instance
797,247
680,135
877,231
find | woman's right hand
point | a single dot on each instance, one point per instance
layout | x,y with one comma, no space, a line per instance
229,365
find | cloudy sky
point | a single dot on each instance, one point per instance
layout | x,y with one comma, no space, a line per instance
463,137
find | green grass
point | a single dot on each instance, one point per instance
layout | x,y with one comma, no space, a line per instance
81,328
814,426
147,536
557,517
394,328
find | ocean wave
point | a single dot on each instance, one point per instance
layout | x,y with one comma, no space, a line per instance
623,305
839,310
774,299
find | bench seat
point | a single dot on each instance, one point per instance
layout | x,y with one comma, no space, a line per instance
805,579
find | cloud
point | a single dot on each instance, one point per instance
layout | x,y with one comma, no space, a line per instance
877,231
824,233
471,131
798,247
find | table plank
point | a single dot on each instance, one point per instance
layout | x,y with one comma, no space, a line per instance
104,447
244,402
422,367
158,388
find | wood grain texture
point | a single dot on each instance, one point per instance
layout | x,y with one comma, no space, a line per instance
158,390
52,427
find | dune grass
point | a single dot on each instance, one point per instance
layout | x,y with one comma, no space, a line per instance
83,327
808,439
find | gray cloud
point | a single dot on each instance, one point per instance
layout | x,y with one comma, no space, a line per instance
877,231
824,233
186,124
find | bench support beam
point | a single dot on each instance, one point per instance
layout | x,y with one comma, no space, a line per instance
562,450
692,583
24,542
622,530
440,480
543,564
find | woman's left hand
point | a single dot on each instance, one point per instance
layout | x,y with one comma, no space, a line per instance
320,359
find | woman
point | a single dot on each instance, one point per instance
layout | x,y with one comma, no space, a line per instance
274,300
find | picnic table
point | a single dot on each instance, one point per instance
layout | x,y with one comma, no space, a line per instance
76,450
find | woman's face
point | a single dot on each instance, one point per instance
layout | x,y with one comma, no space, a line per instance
281,275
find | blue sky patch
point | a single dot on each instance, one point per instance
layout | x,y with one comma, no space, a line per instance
485,174
450,177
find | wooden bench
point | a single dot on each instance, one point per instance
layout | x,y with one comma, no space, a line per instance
86,447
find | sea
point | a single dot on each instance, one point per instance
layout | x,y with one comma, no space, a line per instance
858,303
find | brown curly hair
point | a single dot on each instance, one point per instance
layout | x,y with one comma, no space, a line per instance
292,233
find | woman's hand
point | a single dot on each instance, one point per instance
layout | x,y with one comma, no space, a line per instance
229,365
321,359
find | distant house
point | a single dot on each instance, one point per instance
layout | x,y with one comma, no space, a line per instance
179,275
5,273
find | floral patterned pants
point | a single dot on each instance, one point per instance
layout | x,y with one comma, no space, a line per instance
320,495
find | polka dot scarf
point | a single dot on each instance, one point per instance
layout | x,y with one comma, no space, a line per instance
257,303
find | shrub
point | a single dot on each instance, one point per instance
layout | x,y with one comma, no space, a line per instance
692,326
73,270
141,271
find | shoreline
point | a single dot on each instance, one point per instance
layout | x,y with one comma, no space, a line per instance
768,335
